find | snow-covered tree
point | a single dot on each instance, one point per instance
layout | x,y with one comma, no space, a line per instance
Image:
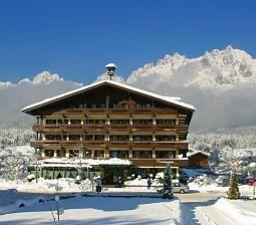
167,182
233,192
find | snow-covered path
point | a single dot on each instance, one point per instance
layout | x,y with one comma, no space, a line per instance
206,209
100,210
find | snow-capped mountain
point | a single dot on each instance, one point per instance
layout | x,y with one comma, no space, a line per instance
223,69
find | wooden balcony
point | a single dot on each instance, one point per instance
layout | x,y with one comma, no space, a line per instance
88,111
82,128
109,144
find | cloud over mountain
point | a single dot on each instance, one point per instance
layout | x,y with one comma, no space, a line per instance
221,84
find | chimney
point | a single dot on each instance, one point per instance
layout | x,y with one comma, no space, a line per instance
111,67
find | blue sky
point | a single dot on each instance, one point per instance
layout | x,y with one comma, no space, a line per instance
77,38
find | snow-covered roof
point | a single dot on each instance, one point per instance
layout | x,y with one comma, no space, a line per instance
84,163
197,152
167,99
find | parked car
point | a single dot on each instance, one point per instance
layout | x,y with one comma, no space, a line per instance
180,188
177,188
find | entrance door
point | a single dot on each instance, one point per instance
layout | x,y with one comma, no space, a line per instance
111,174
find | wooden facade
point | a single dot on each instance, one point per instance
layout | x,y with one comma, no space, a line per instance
112,121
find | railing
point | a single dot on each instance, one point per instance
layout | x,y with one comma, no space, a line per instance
66,127
41,143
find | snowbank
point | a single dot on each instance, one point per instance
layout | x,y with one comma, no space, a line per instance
142,183
63,185
233,211
245,190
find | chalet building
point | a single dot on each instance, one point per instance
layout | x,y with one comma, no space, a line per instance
109,129
198,159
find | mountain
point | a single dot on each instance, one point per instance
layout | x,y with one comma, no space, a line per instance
222,69
221,84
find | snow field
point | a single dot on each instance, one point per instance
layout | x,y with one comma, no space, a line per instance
232,210
100,210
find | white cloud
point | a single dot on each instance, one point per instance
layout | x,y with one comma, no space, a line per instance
7,84
46,77
42,78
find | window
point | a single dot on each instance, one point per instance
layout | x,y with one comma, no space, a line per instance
182,137
99,153
119,122
89,137
74,137
183,152
142,154
61,153
52,137
119,137
142,138
99,137
89,121
73,153
49,153
75,121
164,154
93,106
165,137
99,121
60,121
142,122
50,122
165,121
142,105
119,154
123,105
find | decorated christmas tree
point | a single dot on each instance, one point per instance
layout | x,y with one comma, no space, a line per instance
167,182
233,192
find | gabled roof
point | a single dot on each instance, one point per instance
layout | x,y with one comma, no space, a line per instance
166,99
198,152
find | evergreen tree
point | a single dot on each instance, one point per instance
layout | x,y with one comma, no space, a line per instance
233,192
167,182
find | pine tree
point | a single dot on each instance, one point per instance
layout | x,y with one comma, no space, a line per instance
233,192
167,182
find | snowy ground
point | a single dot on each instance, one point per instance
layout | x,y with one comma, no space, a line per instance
245,190
203,205
210,209
99,210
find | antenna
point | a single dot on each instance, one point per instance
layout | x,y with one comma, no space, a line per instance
111,67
